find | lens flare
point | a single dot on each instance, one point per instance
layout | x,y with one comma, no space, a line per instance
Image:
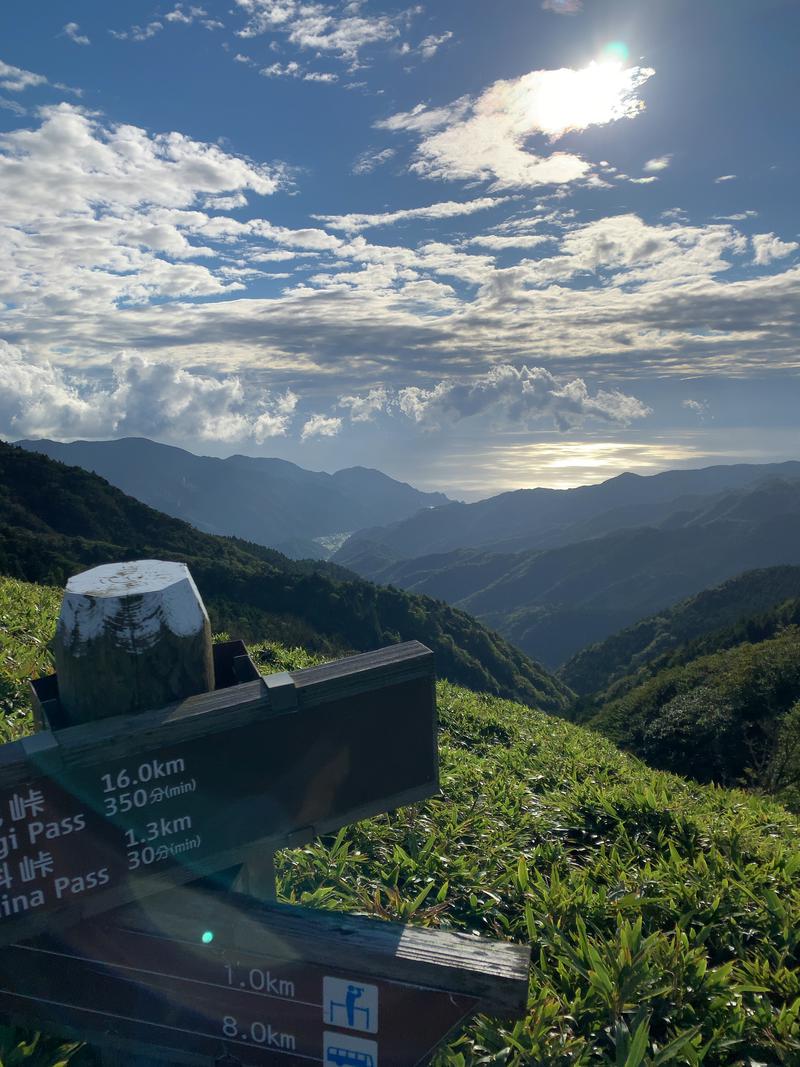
616,50
208,937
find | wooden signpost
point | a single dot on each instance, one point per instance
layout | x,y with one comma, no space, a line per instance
206,978
103,814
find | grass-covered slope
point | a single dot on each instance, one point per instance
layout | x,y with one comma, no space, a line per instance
57,520
745,608
730,717
664,916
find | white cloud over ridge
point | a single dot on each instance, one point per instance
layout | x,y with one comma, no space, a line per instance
517,397
143,397
487,138
318,425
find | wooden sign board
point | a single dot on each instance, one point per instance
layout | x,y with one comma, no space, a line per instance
212,978
106,812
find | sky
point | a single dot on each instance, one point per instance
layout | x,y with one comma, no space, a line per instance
480,246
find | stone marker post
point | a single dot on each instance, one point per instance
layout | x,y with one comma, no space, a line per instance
131,637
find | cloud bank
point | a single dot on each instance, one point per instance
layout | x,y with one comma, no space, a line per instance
143,397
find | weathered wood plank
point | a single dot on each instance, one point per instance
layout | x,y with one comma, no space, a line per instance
212,712
494,972
210,974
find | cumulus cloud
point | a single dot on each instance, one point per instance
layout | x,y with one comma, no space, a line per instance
487,138
430,45
113,238
629,250
188,14
16,80
698,407
519,397
72,30
365,406
500,242
96,215
447,209
768,247
181,14
318,425
368,161
512,396
292,69
142,397
657,164
321,27
139,33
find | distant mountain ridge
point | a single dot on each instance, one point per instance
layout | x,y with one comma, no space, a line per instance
549,518
56,520
270,502
553,602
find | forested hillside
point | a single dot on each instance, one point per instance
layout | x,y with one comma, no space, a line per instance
57,520
269,501
735,611
664,916
731,717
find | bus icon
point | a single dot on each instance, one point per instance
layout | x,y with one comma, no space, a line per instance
342,1050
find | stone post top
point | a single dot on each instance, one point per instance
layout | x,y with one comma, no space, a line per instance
120,579
129,637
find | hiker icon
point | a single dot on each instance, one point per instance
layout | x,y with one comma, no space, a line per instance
350,1004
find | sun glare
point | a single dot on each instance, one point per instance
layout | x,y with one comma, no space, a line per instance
597,94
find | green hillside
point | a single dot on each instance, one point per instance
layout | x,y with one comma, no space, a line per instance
57,520
664,915
729,717
744,608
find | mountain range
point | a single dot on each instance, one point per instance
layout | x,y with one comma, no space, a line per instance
553,601
56,520
553,571
271,502
548,518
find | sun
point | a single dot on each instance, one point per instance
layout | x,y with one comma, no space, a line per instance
567,99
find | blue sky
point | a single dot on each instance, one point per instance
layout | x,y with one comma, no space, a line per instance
481,246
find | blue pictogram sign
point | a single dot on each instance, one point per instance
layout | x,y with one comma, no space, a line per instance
345,1050
351,1004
